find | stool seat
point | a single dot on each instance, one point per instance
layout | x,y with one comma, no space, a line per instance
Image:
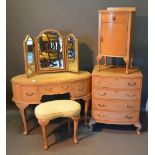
58,108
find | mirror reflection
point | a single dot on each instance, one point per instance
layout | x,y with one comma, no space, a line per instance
31,67
72,52
51,50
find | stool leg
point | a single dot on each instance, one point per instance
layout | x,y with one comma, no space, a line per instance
69,123
76,121
43,124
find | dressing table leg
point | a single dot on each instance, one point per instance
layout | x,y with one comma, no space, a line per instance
87,103
22,108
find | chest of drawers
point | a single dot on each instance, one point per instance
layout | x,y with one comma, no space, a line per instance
116,96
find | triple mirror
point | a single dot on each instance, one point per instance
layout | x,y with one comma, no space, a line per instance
50,52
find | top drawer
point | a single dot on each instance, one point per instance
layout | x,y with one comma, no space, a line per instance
113,17
114,82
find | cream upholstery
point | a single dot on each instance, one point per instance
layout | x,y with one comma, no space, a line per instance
58,108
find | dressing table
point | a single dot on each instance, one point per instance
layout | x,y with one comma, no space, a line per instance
52,67
30,90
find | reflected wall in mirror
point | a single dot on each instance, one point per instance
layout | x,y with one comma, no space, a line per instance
72,53
50,49
30,56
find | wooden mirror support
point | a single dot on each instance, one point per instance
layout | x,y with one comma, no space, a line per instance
114,33
50,52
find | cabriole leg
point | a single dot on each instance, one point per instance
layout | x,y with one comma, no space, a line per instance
22,108
43,124
76,121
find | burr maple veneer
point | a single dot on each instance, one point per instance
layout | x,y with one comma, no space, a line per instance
116,96
30,90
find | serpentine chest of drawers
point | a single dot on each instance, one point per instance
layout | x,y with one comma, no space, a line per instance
116,97
30,90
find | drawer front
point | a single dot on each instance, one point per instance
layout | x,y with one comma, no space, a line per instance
80,88
55,88
113,17
114,82
104,115
127,116
123,105
119,117
116,94
29,92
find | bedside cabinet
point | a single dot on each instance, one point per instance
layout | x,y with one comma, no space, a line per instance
116,96
114,34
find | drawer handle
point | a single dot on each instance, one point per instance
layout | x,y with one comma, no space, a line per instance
129,106
133,95
132,84
102,39
29,94
102,94
113,18
49,89
99,115
129,117
101,105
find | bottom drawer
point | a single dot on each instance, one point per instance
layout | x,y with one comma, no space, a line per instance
116,117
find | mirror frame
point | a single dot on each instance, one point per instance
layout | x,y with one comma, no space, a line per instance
64,51
46,70
76,48
26,54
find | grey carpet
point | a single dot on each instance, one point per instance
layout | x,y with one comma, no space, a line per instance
104,140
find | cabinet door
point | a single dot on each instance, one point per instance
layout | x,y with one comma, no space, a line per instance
113,38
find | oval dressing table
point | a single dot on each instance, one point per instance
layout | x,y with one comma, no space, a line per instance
30,90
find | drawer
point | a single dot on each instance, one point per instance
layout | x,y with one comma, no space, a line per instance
29,92
114,82
55,88
127,116
80,88
122,105
116,117
114,17
116,94
104,115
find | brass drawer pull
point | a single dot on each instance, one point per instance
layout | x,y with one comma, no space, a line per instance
101,105
49,89
133,95
113,18
29,94
129,117
132,84
102,94
129,106
99,115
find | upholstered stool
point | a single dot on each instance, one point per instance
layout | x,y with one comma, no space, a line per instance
59,108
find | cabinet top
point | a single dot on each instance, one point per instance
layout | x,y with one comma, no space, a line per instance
116,71
126,9
51,77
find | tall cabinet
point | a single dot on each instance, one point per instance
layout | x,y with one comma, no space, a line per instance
114,35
